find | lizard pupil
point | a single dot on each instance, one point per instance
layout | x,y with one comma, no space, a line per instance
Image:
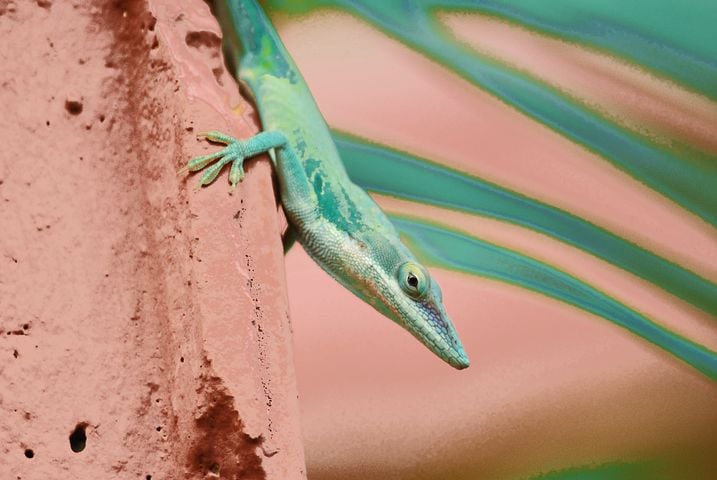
412,280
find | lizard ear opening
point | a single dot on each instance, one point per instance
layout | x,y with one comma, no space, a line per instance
413,279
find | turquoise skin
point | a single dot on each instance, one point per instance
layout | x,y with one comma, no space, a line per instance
335,221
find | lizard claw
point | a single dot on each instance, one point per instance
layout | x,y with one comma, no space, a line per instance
218,137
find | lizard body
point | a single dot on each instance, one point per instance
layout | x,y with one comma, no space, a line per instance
335,221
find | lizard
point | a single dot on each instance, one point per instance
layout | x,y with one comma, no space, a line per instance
336,222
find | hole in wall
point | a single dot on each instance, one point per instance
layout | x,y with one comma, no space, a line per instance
29,453
73,107
78,438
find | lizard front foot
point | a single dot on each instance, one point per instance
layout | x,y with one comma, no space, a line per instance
234,153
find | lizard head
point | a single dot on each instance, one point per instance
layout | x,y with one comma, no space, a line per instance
403,290
418,304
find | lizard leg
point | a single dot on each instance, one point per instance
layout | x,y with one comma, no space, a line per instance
297,194
235,152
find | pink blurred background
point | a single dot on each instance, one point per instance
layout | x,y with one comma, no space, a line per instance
551,387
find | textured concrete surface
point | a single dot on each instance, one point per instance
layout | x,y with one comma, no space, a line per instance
144,330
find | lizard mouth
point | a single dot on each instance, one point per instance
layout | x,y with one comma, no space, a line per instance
436,332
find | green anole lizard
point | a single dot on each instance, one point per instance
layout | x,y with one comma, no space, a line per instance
335,221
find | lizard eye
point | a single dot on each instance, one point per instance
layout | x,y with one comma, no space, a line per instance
413,279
